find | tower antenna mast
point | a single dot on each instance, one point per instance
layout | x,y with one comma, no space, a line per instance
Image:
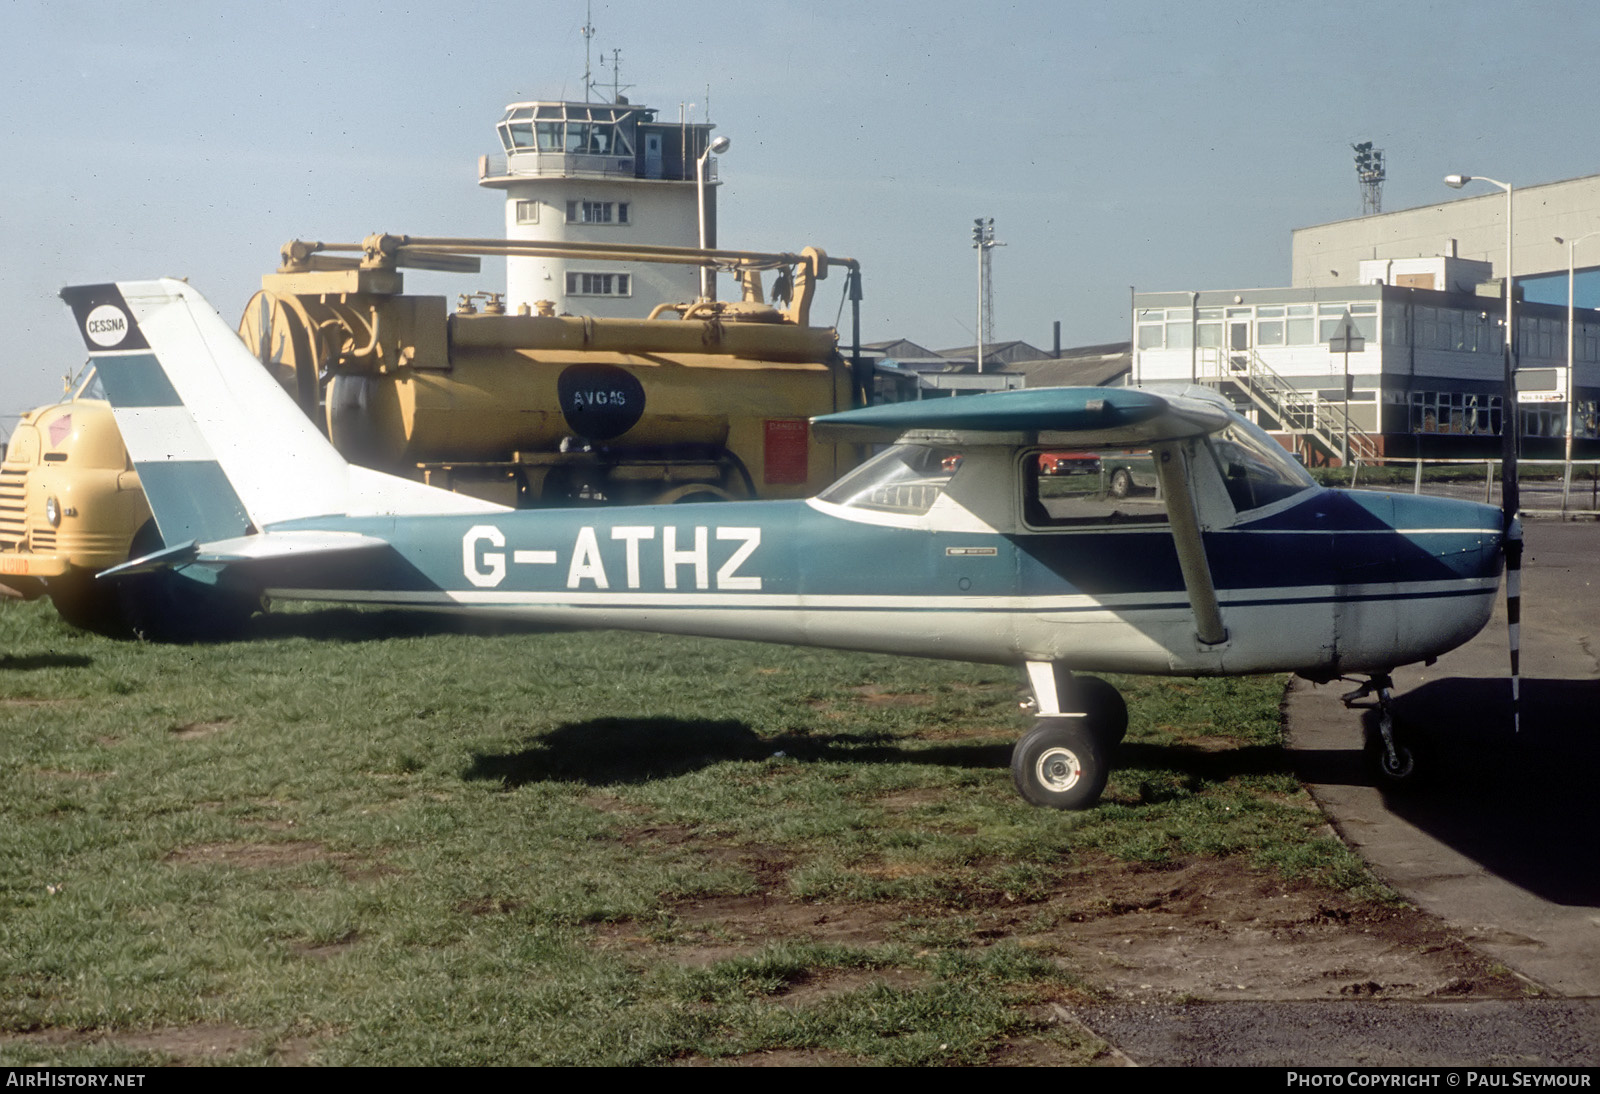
588,42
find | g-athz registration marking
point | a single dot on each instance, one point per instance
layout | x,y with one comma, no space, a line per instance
484,558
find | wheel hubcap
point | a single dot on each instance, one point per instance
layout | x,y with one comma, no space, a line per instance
1058,769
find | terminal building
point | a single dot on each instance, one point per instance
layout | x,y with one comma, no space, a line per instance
1424,372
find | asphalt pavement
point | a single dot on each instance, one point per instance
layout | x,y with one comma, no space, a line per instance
1499,837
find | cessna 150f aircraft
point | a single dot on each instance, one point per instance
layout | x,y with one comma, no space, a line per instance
948,544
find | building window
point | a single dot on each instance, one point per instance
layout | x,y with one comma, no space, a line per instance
527,212
599,284
597,212
1455,412
1302,327
1269,326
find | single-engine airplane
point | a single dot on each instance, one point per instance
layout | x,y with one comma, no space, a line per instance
949,544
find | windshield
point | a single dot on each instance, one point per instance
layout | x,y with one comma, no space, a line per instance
907,478
1256,469
88,385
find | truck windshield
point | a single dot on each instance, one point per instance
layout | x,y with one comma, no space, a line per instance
88,385
907,478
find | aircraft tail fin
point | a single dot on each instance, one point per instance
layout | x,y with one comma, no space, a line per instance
221,449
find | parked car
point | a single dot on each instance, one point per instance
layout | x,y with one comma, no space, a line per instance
1127,472
1069,463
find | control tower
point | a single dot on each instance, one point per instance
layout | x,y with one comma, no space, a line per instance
602,173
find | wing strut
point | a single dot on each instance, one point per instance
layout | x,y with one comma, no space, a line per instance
1173,469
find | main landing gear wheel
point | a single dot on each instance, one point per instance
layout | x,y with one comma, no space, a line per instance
1121,483
1061,763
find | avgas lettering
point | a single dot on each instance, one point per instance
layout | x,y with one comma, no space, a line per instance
582,400
685,556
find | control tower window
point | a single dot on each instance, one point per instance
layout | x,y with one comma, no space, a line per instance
597,212
599,284
568,128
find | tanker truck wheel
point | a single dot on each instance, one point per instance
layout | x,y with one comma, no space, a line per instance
169,607
88,604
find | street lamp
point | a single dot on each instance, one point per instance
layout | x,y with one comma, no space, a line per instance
708,275
1509,414
1571,384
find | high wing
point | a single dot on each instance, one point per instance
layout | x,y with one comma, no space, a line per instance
1080,416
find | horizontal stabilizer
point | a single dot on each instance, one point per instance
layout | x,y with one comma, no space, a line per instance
164,559
263,547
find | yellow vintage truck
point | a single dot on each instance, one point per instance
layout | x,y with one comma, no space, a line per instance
700,401
70,503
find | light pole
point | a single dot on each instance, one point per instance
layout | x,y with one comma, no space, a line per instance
1571,385
708,275
1509,416
983,240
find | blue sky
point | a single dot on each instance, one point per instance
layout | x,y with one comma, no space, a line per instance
1161,145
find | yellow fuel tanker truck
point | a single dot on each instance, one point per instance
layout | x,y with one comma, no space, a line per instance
700,401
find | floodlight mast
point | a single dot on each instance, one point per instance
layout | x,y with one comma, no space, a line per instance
983,240
1369,170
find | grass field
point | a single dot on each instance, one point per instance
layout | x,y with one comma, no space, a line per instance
368,839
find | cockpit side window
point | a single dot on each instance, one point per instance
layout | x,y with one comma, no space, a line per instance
1063,489
907,479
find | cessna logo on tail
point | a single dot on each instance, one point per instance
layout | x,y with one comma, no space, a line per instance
484,559
104,318
106,326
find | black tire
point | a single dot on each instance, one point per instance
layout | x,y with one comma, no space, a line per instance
89,605
1060,764
165,606
1403,770
1103,706
1121,483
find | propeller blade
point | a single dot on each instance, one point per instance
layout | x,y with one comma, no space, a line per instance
1513,544
1511,505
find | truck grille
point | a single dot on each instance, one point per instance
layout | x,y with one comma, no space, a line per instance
13,524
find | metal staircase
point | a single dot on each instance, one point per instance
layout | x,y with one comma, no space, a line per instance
1322,422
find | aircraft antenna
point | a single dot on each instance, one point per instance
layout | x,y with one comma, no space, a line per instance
1369,169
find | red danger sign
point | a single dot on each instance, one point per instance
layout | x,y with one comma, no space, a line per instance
786,453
